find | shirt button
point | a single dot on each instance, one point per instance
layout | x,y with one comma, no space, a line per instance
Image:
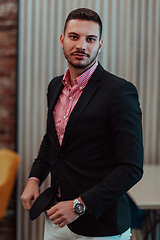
62,136
64,117
80,88
70,98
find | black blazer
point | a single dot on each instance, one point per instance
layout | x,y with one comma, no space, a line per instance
101,156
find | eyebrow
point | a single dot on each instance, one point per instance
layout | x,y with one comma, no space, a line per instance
92,36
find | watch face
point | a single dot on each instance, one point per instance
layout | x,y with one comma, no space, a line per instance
79,208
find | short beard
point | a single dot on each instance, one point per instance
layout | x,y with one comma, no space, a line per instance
80,65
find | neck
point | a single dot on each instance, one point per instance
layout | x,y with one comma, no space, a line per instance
75,72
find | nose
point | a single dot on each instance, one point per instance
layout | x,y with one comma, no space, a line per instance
81,44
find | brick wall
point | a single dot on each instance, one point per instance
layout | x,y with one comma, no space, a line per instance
8,65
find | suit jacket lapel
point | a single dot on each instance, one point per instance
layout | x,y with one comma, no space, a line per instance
54,98
55,93
84,99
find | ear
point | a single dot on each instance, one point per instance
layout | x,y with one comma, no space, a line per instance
100,44
61,40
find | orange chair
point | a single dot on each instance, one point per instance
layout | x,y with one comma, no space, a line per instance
9,161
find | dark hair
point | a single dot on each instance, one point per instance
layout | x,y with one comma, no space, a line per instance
84,14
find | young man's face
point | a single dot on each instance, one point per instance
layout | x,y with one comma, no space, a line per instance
81,43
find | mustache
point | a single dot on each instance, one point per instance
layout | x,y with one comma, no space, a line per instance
80,52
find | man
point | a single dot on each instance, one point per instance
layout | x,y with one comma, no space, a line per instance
92,146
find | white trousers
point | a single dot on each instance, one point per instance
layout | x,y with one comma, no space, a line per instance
53,232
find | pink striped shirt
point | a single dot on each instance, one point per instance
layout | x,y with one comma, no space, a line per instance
68,99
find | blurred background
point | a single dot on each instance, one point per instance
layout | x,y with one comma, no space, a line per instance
30,56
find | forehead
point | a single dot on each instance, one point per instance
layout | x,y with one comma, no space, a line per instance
82,27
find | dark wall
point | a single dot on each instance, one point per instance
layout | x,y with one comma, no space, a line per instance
8,79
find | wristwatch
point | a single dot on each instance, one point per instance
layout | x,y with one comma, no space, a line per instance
78,207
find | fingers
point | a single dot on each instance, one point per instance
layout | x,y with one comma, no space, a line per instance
62,213
57,216
36,196
30,194
59,219
62,224
51,211
26,202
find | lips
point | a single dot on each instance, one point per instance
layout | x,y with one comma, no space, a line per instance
80,55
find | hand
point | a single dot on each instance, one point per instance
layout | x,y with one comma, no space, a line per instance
62,213
30,193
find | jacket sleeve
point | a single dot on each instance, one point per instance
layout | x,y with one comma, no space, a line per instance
126,127
42,164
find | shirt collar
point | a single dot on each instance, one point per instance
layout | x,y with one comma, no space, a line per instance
81,80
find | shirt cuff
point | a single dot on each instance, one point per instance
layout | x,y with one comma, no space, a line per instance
34,178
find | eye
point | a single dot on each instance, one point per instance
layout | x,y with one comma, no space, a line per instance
90,39
73,37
